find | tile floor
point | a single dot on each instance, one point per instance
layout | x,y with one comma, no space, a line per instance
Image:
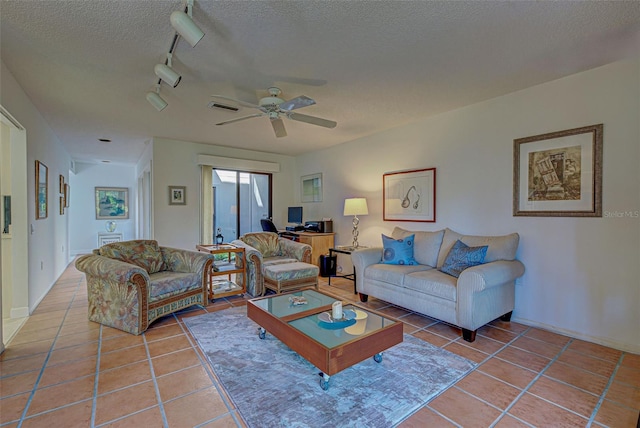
61,370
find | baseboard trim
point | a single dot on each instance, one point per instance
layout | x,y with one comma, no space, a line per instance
626,347
19,312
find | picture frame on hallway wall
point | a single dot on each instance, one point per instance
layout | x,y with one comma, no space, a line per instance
409,195
311,186
61,205
42,196
112,203
559,174
177,195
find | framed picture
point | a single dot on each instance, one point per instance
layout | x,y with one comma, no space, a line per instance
559,174
112,203
311,186
409,195
67,194
42,184
177,195
61,205
61,180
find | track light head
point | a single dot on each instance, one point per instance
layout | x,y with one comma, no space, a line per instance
185,26
167,74
156,100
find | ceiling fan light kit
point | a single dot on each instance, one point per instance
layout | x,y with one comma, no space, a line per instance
275,108
184,26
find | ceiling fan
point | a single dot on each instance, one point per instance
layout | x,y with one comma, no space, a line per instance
274,107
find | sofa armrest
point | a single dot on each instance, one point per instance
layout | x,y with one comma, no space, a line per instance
108,269
296,250
361,259
252,279
481,277
178,260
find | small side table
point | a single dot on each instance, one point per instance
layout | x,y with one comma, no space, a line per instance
219,287
345,249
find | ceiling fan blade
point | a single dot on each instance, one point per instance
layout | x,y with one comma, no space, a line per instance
297,102
312,120
278,127
242,103
239,119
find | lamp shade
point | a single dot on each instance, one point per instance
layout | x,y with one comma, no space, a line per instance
167,74
156,101
355,206
185,26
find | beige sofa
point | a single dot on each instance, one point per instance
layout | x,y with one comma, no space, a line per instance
479,295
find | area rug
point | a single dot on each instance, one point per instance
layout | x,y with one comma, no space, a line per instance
272,386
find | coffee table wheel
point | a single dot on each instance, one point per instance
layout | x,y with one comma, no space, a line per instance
378,358
324,382
262,333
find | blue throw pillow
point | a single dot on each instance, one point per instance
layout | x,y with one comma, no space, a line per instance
461,257
398,251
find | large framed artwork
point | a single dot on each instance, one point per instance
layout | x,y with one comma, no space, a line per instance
312,188
559,174
42,184
409,195
112,203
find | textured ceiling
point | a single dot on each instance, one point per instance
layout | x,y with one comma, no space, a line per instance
370,66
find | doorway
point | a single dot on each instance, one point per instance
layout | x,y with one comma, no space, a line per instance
240,200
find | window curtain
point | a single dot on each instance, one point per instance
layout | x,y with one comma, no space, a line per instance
206,201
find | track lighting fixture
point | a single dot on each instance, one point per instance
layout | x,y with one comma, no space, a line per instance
185,26
166,73
156,100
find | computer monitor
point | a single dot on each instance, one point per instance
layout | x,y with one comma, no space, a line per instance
295,215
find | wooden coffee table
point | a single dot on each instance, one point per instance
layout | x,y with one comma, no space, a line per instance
330,350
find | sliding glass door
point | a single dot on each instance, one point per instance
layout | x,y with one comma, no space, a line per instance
240,200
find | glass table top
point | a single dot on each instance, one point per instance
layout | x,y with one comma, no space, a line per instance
280,306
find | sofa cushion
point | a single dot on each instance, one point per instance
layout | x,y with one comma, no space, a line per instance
461,257
143,253
398,251
502,247
265,242
426,245
392,274
167,284
432,282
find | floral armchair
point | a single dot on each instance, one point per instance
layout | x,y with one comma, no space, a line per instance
132,283
267,248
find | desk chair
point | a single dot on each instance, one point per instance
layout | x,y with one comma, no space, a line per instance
268,226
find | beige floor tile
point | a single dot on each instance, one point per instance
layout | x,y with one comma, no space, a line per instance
523,358
466,352
432,338
548,350
173,362
23,382
547,336
77,339
624,394
508,421
166,346
122,357
79,413
11,408
541,413
61,394
125,401
464,409
489,389
426,417
577,377
497,334
63,372
34,336
78,327
628,375
162,332
507,372
73,353
183,382
13,351
484,344
585,362
124,376
595,350
564,395
120,342
615,415
195,409
146,418
21,365
631,361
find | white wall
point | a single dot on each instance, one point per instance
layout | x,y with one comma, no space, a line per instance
174,164
582,274
48,248
83,235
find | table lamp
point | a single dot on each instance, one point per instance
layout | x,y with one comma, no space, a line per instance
355,207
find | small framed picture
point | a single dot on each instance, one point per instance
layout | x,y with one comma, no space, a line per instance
177,195
61,180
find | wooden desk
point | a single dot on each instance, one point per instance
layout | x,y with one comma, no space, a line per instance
320,243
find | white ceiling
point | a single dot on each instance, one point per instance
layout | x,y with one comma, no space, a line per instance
370,66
